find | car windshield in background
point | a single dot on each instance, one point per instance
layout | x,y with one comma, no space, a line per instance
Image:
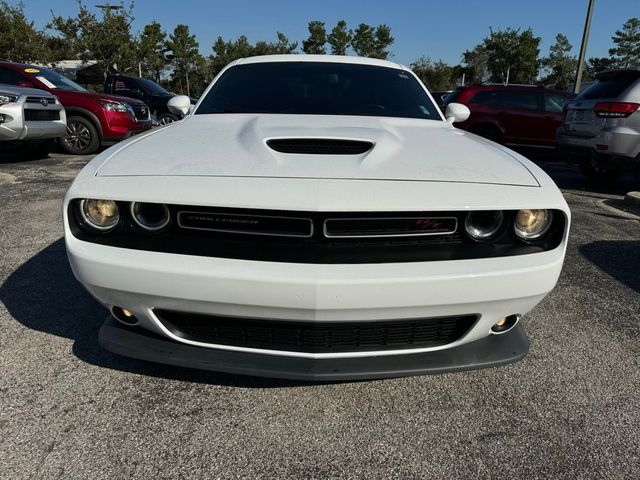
609,87
451,96
319,88
152,87
54,80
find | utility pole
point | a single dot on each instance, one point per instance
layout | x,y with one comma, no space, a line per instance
583,47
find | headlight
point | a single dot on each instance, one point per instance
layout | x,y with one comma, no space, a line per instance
151,217
483,225
8,98
532,224
116,107
101,215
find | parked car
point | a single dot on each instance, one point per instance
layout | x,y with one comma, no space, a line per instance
29,117
439,97
146,90
513,115
316,217
602,125
93,119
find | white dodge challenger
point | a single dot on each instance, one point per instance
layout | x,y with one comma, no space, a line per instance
316,217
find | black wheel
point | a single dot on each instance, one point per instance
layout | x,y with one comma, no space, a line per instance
488,133
167,118
82,137
591,169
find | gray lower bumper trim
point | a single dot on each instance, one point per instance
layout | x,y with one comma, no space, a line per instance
491,351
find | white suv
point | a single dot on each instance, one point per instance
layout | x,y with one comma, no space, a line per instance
28,115
602,125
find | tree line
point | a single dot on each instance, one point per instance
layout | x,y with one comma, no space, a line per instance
174,58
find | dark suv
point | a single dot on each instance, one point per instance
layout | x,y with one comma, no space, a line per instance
143,89
92,118
518,115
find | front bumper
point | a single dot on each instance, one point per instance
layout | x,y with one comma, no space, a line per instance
120,126
142,281
14,127
492,351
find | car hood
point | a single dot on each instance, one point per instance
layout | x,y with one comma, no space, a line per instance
235,145
5,88
97,96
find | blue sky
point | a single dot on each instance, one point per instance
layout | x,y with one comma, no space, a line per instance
439,29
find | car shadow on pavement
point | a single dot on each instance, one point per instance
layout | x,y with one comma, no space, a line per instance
42,294
620,259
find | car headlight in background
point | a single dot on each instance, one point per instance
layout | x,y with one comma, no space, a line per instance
482,225
8,98
150,217
532,224
118,107
101,215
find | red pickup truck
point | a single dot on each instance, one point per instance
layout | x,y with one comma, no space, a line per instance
93,119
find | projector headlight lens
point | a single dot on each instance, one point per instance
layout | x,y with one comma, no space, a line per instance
150,217
483,225
102,215
532,224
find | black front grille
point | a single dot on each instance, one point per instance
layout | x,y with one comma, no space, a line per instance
316,337
223,233
247,224
389,227
47,100
41,115
319,146
141,111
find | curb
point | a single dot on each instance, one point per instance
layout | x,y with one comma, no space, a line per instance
632,199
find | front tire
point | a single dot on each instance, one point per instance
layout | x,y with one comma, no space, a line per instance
36,150
82,137
591,169
167,118
488,133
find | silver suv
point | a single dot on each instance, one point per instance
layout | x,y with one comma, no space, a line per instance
30,115
602,125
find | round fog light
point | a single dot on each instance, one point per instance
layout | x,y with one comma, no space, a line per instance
483,225
532,224
101,215
123,315
505,324
151,217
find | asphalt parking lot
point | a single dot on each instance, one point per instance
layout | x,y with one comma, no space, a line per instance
68,409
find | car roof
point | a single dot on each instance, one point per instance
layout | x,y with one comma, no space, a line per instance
319,58
18,65
619,72
499,86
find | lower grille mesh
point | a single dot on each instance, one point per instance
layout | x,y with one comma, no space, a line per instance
41,115
318,337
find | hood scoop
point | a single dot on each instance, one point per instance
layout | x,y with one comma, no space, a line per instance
319,146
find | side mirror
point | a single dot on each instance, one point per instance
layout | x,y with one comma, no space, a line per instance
180,104
456,112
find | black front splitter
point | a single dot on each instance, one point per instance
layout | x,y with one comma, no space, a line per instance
491,351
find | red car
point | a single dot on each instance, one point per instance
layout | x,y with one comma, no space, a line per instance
515,115
93,119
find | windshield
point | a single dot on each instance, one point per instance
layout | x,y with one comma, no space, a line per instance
319,88
152,87
54,80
